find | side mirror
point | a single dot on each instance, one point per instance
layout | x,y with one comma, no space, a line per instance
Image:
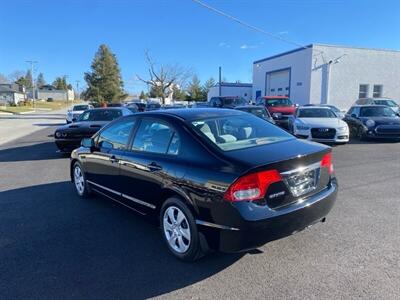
88,143
74,119
354,116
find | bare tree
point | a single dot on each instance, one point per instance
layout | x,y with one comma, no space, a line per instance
162,78
14,76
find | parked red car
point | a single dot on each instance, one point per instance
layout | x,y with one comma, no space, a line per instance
280,108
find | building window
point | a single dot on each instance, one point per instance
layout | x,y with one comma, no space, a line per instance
299,83
363,91
377,93
280,89
287,88
272,90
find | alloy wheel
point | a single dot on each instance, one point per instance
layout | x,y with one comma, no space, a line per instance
176,229
79,180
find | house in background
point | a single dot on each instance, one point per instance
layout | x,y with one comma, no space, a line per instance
49,92
11,93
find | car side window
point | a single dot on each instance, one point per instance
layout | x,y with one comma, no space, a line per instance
156,136
117,135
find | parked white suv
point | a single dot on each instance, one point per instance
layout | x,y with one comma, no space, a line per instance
75,111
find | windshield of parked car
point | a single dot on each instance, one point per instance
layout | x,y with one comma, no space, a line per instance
316,113
100,115
153,106
278,102
80,107
234,101
390,103
334,108
239,131
257,111
379,111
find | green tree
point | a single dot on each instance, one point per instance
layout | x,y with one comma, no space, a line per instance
28,79
22,81
178,93
207,85
40,80
60,83
104,81
142,95
195,90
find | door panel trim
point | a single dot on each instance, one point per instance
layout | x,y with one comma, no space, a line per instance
122,195
109,197
139,201
104,188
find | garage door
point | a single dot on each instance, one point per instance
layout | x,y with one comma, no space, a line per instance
278,83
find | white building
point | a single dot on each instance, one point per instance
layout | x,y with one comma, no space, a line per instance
231,89
337,75
47,92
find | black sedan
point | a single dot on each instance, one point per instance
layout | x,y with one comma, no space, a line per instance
258,111
68,137
373,121
214,178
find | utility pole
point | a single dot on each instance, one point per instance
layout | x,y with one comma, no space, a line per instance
32,63
219,88
77,89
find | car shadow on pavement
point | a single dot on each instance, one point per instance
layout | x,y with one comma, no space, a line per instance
37,151
54,244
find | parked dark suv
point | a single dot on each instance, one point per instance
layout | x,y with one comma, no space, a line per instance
227,102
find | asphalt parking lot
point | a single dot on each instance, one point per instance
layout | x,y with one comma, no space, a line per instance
53,245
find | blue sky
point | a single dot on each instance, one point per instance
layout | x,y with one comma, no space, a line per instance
64,35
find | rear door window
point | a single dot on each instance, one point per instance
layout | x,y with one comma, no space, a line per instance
156,136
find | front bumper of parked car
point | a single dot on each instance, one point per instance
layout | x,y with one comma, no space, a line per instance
279,223
341,136
390,132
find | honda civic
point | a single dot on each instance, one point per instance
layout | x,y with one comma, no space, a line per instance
214,179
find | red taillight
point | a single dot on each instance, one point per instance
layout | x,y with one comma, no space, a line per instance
252,186
326,162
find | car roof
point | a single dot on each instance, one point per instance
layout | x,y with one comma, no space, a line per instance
189,114
249,106
275,97
314,107
370,105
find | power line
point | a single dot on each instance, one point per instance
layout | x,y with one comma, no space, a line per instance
243,23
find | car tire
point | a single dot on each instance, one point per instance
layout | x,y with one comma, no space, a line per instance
79,178
179,230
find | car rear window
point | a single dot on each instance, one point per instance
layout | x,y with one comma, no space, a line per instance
80,107
100,115
239,131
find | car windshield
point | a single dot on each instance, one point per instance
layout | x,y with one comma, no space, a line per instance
153,106
278,102
334,108
257,111
100,115
236,101
80,107
390,103
239,131
316,113
379,111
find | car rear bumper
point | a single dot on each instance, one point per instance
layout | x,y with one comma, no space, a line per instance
286,221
